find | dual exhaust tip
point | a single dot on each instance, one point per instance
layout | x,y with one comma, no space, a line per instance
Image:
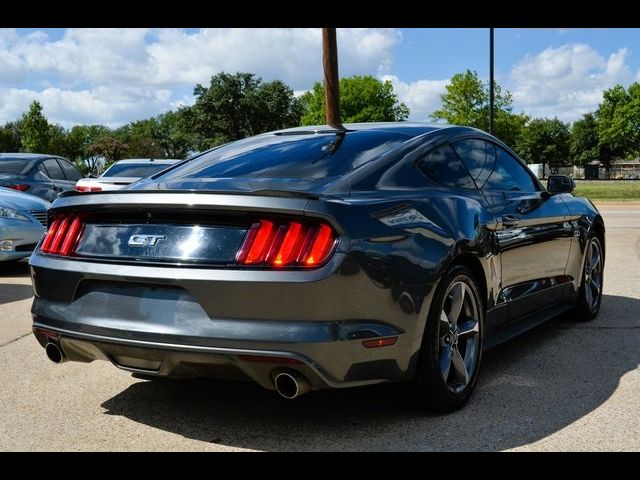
289,384
55,353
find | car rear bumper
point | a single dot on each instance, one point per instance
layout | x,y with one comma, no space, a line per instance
186,361
205,322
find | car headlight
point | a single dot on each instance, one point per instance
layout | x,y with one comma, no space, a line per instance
6,212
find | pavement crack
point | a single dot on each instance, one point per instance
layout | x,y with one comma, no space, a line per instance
16,339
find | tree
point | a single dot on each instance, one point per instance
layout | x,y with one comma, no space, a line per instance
141,137
10,138
362,99
585,142
546,141
618,118
58,144
238,105
79,141
466,102
175,137
104,152
34,129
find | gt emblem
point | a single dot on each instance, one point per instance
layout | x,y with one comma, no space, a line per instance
144,240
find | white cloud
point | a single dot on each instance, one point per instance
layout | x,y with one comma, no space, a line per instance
100,105
422,97
118,75
566,81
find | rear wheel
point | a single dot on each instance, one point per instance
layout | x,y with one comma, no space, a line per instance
590,294
451,351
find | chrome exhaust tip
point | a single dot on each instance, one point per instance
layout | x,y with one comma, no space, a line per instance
291,384
54,353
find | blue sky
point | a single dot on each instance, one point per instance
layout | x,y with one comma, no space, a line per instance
113,76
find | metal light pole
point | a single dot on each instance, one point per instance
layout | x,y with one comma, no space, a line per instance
491,87
331,83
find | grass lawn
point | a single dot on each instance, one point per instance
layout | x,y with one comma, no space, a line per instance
608,190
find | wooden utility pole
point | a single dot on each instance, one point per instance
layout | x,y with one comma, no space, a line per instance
331,82
491,86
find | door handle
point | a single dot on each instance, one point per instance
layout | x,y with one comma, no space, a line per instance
510,221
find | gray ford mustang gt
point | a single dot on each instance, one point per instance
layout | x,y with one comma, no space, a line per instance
314,258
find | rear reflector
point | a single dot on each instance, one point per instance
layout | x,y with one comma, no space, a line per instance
380,342
286,244
21,187
63,235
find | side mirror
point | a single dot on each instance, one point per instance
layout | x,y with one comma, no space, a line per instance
560,184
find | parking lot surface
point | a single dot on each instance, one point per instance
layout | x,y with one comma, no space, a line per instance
563,386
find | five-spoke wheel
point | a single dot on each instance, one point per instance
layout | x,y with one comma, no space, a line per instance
451,351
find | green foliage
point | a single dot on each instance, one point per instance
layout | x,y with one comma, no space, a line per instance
362,99
10,138
104,152
142,138
546,141
585,142
466,102
234,106
618,118
81,137
34,130
238,105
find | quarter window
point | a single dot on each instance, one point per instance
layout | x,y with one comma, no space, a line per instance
509,174
54,172
479,157
443,166
69,170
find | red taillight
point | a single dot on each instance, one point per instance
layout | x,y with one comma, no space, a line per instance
81,188
48,238
21,187
320,247
63,235
286,244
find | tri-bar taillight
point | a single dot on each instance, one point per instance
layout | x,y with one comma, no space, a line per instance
287,244
63,235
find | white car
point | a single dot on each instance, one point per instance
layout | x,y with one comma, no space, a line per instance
123,173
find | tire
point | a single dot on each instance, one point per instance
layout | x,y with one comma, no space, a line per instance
590,293
440,384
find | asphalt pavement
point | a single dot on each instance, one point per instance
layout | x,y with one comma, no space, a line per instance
566,385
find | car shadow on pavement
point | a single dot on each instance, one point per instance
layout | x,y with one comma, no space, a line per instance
13,292
14,269
529,388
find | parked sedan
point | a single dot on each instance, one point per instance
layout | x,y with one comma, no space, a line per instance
123,173
318,258
23,219
45,176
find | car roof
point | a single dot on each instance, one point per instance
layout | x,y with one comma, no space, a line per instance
147,160
408,128
25,156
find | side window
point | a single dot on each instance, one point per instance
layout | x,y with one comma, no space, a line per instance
442,165
54,172
479,157
509,174
69,170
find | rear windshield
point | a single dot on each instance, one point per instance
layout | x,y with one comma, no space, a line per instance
290,156
13,165
134,169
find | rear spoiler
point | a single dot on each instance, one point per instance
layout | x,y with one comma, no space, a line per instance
262,192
